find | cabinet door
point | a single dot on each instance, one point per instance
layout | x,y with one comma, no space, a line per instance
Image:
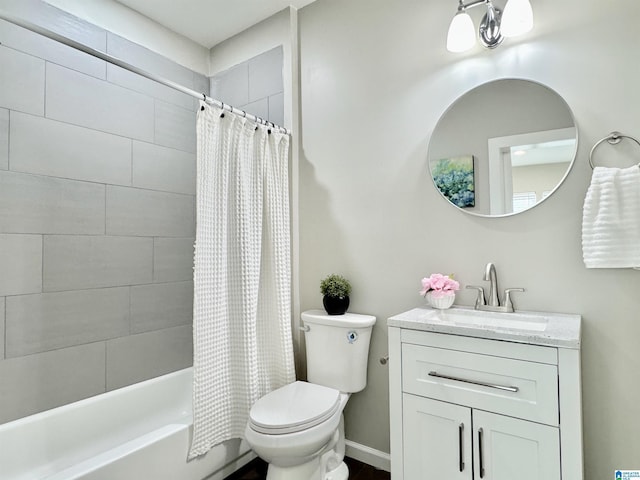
436,440
506,448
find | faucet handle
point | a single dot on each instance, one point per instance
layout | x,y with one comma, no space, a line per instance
480,300
508,304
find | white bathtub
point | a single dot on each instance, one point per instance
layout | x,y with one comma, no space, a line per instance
142,431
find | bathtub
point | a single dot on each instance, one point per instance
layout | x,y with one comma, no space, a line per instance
136,432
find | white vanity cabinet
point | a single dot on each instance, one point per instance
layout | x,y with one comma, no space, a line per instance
444,440
466,407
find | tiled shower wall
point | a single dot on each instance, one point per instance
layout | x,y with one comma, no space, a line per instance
255,86
97,216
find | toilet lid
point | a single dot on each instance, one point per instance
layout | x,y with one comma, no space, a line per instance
294,407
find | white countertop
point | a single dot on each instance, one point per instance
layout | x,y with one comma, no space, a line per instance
536,328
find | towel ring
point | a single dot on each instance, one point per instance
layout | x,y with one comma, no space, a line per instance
613,138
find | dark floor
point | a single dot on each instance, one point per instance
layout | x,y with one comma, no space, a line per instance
257,470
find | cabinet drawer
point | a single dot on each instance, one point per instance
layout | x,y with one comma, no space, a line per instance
517,388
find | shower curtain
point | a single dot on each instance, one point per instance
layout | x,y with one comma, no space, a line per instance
242,306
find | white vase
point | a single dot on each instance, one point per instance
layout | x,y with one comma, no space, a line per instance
441,303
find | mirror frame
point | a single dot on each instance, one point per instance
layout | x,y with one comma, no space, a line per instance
560,182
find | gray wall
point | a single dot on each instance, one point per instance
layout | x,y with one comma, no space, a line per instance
97,216
255,85
375,78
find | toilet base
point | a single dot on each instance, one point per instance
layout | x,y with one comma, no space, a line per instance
340,473
308,471
328,465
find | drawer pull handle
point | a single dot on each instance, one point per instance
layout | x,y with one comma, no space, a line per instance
460,441
483,384
480,452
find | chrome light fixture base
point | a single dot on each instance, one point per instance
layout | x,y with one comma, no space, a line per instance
489,31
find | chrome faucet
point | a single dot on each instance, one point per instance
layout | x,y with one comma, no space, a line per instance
490,275
494,302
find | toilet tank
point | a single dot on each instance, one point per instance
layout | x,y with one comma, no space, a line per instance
337,349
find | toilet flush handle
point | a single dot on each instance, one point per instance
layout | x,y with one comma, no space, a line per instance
304,328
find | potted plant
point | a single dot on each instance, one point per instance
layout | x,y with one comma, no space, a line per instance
439,290
335,290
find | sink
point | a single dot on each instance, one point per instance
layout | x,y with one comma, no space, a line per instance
536,328
491,320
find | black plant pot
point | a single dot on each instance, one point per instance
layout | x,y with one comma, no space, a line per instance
335,305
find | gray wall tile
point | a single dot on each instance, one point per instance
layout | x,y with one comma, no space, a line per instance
59,21
56,52
68,151
132,211
21,81
1,328
162,305
143,85
20,264
86,101
172,259
39,382
162,168
232,86
81,262
36,204
48,321
276,109
148,60
4,139
175,127
259,108
201,83
265,74
146,355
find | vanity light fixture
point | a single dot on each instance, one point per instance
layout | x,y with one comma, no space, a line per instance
516,19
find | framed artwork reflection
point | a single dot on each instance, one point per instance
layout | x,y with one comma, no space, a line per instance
454,177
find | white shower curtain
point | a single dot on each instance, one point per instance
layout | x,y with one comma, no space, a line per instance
242,306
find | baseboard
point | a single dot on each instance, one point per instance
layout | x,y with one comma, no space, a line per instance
368,455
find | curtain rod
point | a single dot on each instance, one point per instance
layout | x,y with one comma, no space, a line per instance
127,66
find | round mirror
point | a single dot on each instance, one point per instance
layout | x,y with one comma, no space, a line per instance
503,147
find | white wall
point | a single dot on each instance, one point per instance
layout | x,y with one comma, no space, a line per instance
375,78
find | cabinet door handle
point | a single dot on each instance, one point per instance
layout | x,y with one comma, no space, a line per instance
460,440
483,384
480,453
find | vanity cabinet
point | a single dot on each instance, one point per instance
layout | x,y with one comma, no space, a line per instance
444,440
470,408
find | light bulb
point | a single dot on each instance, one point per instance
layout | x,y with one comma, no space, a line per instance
517,18
462,35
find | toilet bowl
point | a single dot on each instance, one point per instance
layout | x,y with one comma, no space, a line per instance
294,426
299,429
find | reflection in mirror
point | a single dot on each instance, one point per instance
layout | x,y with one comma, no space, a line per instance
502,147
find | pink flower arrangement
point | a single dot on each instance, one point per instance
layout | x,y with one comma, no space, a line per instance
440,285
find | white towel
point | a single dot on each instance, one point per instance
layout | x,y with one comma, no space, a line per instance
611,219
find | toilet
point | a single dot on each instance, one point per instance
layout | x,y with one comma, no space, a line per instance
299,428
